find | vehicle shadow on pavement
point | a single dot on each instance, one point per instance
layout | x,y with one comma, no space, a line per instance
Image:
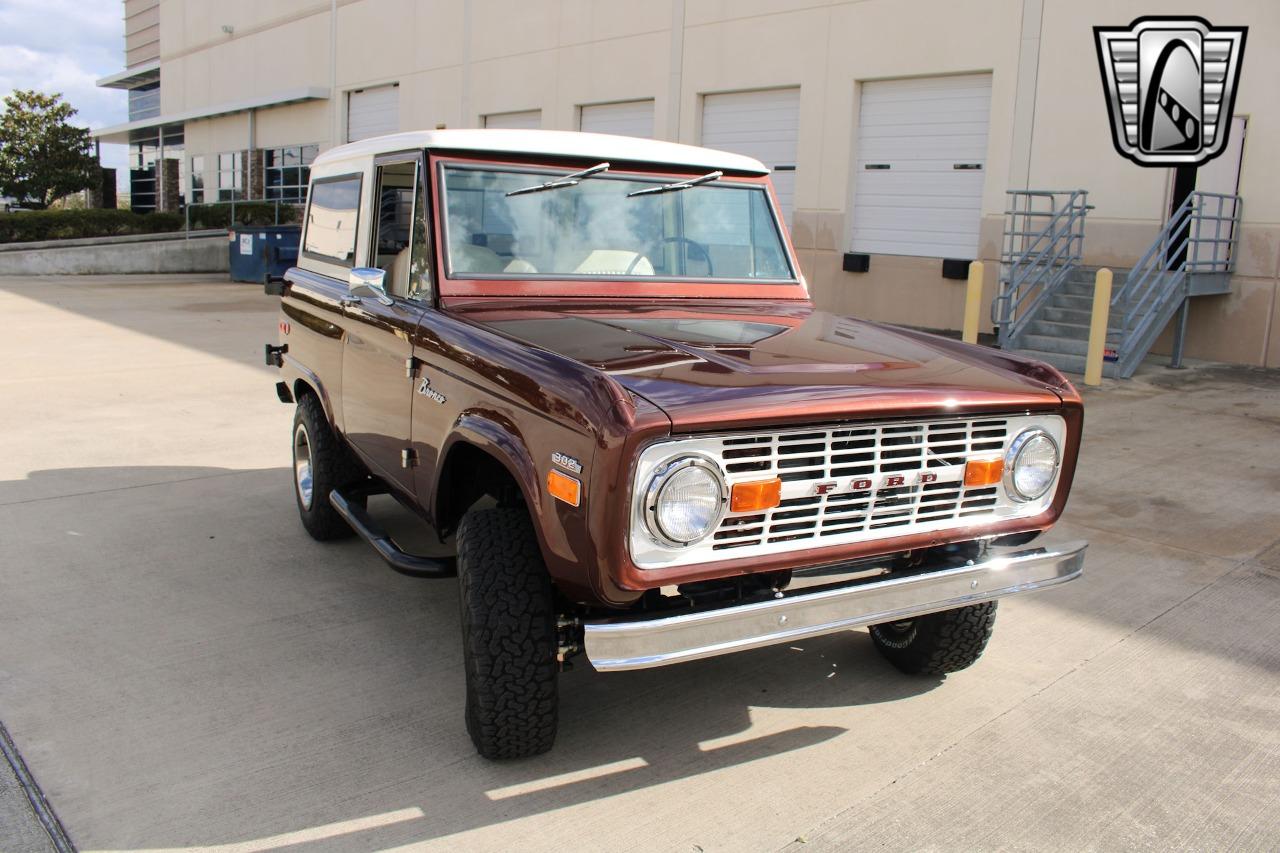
217,655
202,311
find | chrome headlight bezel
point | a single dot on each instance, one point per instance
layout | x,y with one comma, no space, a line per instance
1015,450
662,475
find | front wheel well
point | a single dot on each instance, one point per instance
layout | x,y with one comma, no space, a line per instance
467,475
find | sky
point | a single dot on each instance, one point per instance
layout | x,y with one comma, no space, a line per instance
63,46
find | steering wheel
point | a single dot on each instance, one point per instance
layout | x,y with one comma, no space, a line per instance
702,250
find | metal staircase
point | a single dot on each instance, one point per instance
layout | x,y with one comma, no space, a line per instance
1193,255
1059,332
1049,319
1043,244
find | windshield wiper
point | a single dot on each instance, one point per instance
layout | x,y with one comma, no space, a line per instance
680,185
570,180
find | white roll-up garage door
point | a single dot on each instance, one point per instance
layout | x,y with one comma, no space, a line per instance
631,118
373,112
528,120
762,124
920,166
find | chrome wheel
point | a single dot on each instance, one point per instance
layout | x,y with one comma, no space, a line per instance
302,465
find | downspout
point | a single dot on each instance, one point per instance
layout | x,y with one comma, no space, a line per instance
675,72
335,129
1025,94
464,107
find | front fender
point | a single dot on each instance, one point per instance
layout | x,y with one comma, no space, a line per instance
563,534
496,436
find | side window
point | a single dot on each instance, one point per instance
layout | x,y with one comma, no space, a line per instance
394,225
420,244
332,213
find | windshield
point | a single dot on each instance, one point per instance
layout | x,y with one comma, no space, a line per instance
598,228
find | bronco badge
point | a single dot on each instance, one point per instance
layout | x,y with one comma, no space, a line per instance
425,389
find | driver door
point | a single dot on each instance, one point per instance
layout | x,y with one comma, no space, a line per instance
377,383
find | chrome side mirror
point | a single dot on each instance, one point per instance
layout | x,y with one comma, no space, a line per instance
365,282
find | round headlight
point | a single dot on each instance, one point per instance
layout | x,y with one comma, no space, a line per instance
685,500
1030,465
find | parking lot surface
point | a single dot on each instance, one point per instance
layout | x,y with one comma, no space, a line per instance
182,667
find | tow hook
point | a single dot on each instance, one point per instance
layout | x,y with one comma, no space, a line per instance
568,640
275,355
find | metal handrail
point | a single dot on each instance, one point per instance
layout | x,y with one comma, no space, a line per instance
1182,247
186,213
1034,269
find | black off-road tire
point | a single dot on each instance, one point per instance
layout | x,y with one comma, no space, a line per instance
332,466
509,637
938,643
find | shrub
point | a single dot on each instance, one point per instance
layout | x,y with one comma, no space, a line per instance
71,224
36,225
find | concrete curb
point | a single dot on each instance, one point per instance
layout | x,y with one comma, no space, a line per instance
116,256
39,805
110,241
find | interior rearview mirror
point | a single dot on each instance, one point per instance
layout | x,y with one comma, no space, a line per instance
369,282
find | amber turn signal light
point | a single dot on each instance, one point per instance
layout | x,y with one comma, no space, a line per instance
758,495
563,487
983,472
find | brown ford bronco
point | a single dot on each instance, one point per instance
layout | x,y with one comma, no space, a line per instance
594,359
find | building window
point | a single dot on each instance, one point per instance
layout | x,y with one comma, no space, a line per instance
144,102
197,180
142,173
287,171
148,147
231,176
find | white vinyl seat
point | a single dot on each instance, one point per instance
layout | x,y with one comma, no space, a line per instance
466,257
398,273
614,262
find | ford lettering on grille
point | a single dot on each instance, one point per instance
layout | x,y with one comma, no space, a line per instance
850,483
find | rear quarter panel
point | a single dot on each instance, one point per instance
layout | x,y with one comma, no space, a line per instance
311,305
311,311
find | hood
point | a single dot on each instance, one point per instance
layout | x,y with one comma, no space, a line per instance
707,365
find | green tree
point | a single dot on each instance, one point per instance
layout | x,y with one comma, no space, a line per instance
43,157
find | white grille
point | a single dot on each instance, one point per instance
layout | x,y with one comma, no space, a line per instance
863,454
849,483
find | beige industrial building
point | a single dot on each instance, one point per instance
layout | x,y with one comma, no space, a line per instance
895,128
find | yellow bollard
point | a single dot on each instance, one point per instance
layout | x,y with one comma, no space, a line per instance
972,302
1098,327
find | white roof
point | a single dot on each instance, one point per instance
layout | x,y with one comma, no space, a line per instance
550,143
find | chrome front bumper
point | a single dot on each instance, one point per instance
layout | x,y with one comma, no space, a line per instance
641,643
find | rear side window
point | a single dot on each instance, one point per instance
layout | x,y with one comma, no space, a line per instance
332,215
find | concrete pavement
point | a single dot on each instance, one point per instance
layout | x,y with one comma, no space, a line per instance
182,667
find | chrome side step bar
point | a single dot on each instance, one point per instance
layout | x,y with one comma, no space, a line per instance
402,561
640,643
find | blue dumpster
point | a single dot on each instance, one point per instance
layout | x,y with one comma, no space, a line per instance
263,253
